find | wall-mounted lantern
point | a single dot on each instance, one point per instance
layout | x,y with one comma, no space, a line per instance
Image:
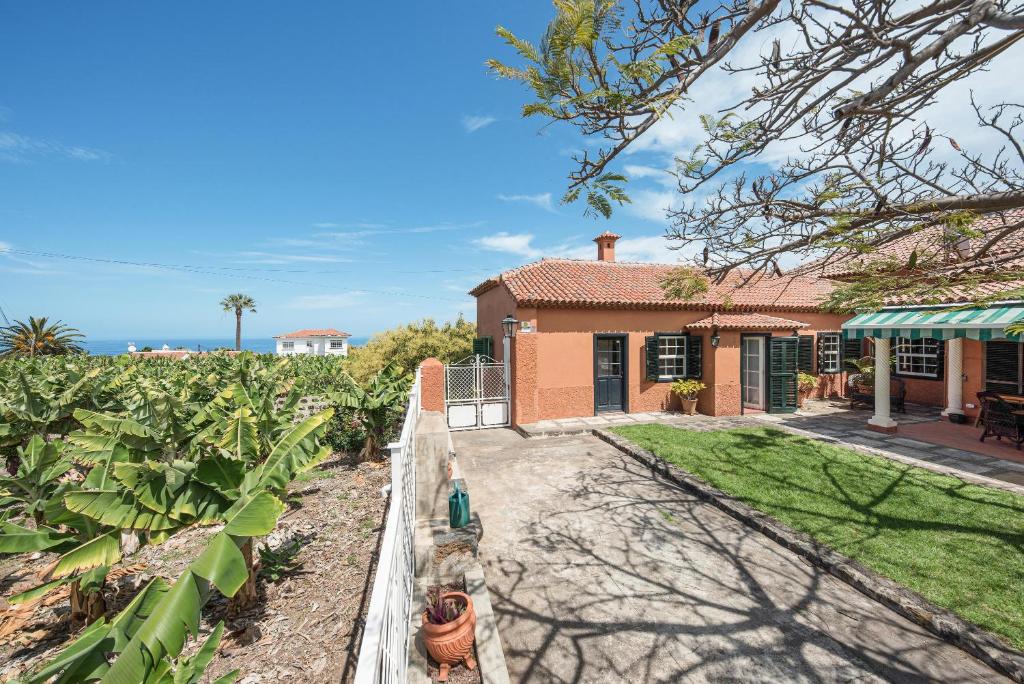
715,338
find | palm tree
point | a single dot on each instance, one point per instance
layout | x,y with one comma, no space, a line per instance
39,337
238,303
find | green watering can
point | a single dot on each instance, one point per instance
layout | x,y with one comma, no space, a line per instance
458,507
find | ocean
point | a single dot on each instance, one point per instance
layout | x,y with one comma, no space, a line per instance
260,345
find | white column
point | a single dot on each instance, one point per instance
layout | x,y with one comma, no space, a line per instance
881,418
954,376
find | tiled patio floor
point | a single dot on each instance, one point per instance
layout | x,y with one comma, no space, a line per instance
834,422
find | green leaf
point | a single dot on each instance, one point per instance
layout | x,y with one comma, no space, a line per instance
254,517
103,550
18,539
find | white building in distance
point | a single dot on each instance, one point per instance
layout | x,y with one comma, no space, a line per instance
318,342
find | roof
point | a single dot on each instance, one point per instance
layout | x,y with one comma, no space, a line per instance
745,321
928,241
607,235
570,283
313,332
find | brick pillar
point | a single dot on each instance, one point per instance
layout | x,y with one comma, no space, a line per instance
432,385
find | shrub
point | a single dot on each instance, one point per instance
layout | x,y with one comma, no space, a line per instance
408,345
687,388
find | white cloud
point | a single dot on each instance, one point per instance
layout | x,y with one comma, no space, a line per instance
648,248
518,243
19,148
542,200
326,301
4,246
472,124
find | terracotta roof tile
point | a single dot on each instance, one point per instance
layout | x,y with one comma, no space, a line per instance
568,283
314,332
745,321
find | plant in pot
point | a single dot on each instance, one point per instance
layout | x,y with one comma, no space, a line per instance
687,390
449,626
805,384
863,373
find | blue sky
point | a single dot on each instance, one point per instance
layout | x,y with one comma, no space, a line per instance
348,165
358,151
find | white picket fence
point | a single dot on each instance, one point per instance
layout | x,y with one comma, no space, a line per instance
384,652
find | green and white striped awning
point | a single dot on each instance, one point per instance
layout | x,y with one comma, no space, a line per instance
939,324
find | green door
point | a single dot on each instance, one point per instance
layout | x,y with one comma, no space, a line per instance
782,368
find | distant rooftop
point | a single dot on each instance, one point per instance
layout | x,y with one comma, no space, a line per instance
313,332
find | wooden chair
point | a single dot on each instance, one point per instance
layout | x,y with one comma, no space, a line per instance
1002,419
866,395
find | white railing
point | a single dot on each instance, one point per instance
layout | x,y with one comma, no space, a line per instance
384,652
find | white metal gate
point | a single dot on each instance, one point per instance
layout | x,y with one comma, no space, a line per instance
476,394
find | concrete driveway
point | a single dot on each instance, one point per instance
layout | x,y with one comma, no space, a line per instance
600,572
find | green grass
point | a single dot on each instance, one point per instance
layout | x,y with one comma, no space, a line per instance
959,545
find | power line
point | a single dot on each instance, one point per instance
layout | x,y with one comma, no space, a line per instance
54,255
204,270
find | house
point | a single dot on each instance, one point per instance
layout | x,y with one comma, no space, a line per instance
315,341
600,335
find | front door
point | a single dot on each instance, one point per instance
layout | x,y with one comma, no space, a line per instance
610,373
752,371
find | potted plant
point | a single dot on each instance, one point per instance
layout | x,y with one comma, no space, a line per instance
449,626
805,384
687,390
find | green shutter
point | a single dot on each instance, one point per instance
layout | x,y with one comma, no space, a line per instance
694,356
782,369
483,346
852,349
651,348
805,360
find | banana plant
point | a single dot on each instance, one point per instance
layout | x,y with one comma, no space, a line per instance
37,480
374,405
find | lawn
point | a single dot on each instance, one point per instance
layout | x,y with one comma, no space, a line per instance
959,545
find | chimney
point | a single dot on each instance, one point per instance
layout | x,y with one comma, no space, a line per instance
606,246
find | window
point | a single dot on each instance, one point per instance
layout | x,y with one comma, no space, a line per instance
918,358
1003,366
337,344
671,356
287,346
830,358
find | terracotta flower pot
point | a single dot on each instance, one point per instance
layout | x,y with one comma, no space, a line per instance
689,406
452,642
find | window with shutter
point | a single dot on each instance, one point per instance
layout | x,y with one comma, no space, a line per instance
805,351
830,352
1003,366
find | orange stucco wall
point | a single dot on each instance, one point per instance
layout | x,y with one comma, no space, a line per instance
553,367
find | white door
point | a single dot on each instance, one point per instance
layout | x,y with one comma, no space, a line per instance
753,372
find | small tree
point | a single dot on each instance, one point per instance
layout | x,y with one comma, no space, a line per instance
238,303
408,345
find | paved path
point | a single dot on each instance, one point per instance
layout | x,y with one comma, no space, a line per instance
826,420
599,572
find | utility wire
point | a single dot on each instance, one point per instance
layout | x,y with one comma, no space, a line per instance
203,270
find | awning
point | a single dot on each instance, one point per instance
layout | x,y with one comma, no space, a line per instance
940,324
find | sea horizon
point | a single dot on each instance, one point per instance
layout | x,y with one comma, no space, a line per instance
115,346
